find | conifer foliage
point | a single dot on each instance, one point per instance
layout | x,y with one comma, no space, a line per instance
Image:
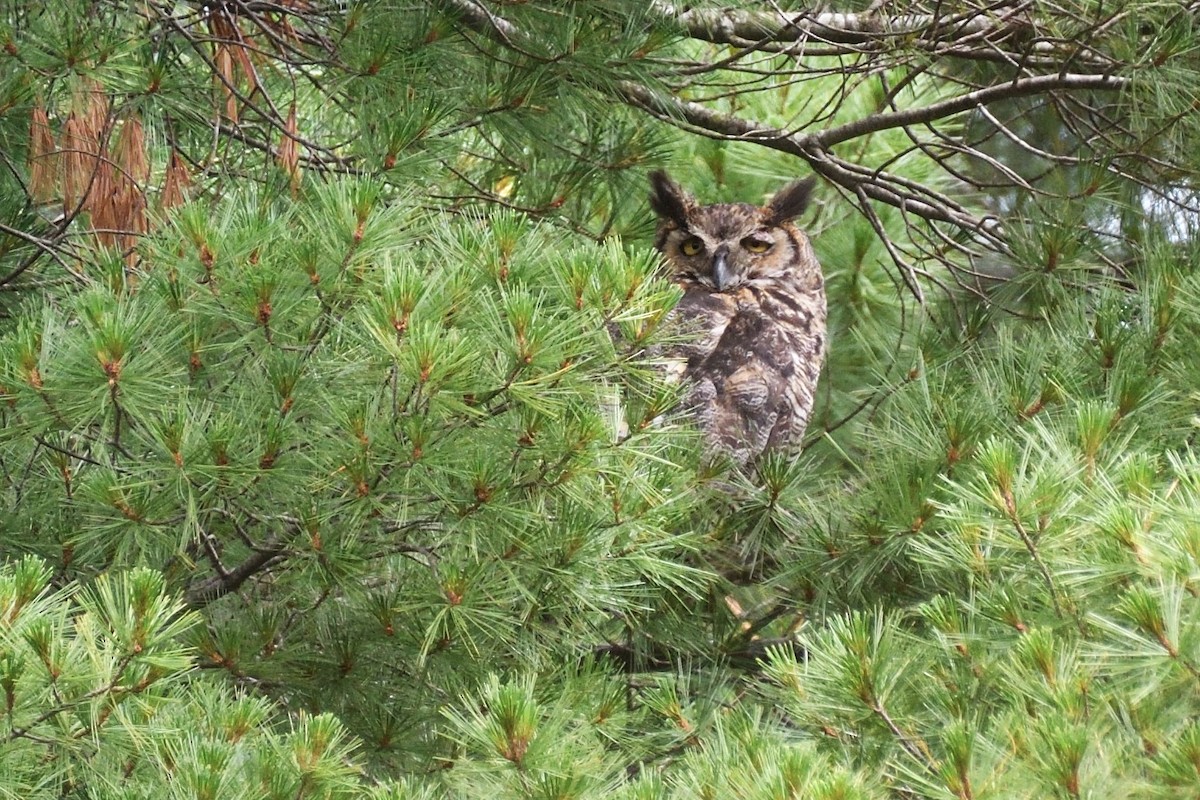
336,461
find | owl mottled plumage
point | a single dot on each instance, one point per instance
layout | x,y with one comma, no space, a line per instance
754,297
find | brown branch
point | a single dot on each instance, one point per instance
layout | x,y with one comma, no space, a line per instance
480,19
198,595
46,246
975,34
914,745
703,120
721,25
1010,510
1021,87
656,657
815,147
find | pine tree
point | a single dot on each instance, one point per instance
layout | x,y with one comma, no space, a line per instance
97,702
335,462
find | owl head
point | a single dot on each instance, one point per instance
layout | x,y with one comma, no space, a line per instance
724,246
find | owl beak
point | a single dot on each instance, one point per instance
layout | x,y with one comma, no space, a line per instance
722,275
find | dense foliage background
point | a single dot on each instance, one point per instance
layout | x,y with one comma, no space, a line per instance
335,462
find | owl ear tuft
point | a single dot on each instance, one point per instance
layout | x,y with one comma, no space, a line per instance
669,200
790,201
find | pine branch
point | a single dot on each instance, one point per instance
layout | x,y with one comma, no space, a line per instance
46,246
1020,87
975,34
483,21
914,746
726,26
1010,507
198,595
809,147
110,687
815,147
721,24
659,658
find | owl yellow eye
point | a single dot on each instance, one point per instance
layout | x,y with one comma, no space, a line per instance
756,245
692,246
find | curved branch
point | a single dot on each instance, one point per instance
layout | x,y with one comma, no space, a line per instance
43,246
200,594
809,147
1021,87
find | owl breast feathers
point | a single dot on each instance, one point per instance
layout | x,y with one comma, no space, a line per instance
753,309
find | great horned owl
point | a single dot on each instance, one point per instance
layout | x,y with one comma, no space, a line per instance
754,297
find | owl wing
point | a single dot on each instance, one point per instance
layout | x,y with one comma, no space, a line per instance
751,390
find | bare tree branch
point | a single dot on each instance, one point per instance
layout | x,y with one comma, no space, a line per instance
808,147
200,594
1022,87
975,34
